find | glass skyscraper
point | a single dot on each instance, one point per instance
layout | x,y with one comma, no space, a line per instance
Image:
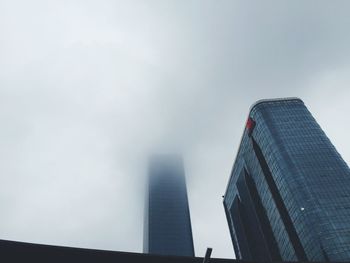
167,228
288,197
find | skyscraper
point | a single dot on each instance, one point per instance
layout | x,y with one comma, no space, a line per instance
167,228
288,197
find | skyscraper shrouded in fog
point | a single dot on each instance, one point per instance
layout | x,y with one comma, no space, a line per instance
167,226
288,197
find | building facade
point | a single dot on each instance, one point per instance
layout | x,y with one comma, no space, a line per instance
167,227
288,197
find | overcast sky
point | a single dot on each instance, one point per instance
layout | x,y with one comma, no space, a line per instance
89,88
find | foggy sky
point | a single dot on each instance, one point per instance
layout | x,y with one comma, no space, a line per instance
88,89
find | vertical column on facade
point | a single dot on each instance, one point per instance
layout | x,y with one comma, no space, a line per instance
263,219
233,237
287,221
240,231
256,240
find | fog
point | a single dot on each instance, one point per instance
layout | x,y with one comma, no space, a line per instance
88,89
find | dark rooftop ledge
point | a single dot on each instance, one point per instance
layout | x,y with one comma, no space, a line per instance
28,252
13,251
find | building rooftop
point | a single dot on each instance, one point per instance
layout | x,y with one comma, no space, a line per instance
29,252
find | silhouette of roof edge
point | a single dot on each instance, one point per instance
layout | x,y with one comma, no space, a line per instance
18,251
